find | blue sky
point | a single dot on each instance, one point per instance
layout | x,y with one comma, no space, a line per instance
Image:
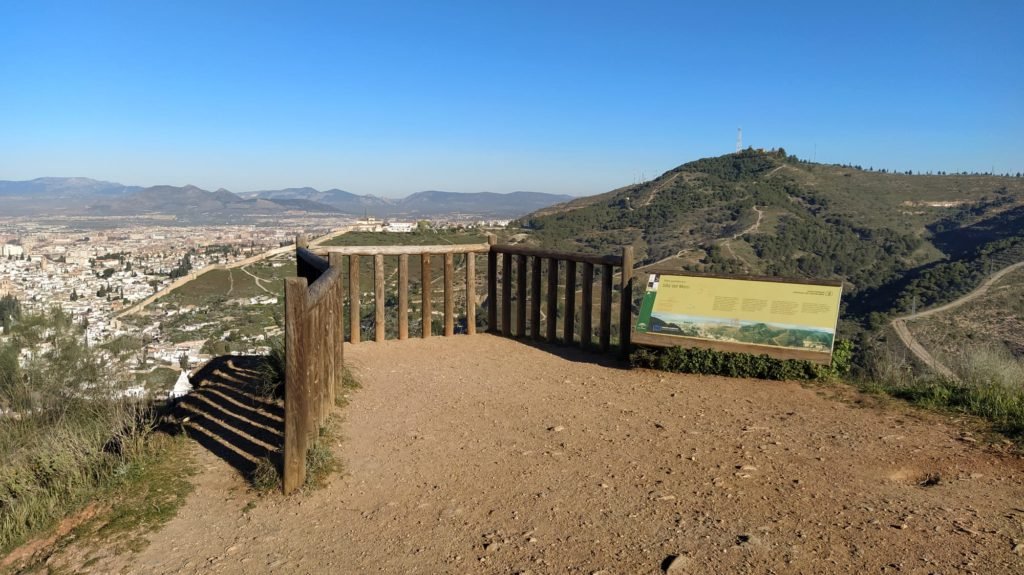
391,98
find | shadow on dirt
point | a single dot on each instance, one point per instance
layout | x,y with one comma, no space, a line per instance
228,413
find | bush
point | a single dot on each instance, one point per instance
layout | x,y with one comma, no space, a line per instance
989,384
711,362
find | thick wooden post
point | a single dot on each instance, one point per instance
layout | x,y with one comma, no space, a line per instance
626,302
587,306
403,296
552,301
296,409
353,299
427,292
471,293
570,303
492,287
521,296
449,295
378,297
506,295
535,301
606,308
301,241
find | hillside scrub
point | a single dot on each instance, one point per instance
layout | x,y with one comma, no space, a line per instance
729,364
67,437
989,385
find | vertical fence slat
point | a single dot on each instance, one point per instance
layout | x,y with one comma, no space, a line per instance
606,308
506,295
449,295
521,296
535,302
570,302
492,291
403,296
626,302
587,306
353,299
378,297
315,368
426,294
338,325
552,300
471,293
295,375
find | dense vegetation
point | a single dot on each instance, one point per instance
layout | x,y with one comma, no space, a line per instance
889,237
66,433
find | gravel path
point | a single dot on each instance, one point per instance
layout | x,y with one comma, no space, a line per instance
477,454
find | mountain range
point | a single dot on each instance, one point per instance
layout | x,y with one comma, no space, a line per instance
84,196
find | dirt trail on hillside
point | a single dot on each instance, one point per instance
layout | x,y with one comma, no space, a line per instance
477,454
907,337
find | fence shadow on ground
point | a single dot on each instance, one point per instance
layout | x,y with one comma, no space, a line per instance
573,353
227,413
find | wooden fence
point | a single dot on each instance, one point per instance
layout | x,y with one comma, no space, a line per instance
528,291
314,357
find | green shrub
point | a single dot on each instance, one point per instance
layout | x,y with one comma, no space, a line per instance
711,362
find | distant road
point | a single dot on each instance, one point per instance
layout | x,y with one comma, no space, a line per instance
900,324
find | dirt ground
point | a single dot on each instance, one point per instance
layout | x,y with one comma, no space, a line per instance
477,454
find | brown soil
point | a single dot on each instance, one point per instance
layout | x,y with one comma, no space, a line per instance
485,455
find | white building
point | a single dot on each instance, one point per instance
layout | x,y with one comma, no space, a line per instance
8,250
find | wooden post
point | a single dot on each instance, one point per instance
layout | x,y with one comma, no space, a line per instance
449,295
521,296
295,404
535,298
506,295
552,300
315,376
378,297
353,299
301,241
492,287
570,302
587,306
338,325
606,308
626,302
427,292
403,296
471,293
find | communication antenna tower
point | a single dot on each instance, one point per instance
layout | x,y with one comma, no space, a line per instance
739,139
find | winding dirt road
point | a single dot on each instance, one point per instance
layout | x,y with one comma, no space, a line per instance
900,324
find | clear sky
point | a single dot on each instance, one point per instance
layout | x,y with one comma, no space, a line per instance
391,98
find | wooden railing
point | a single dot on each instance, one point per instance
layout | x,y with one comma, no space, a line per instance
547,286
314,357
546,268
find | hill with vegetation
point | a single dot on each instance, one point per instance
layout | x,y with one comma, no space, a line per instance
890,237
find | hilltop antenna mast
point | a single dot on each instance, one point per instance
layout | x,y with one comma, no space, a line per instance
739,139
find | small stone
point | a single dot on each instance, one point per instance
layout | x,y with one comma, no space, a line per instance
748,468
491,547
1019,549
674,563
556,428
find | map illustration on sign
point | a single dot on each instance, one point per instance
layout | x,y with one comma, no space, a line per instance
768,314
